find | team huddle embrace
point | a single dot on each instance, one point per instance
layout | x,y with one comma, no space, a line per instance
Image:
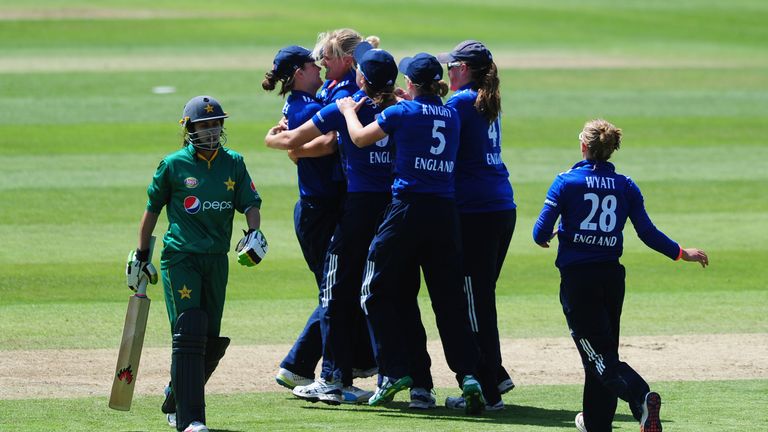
393,184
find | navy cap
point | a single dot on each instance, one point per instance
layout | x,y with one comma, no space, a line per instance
470,51
289,59
377,66
421,69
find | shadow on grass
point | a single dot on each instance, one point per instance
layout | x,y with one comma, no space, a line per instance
512,414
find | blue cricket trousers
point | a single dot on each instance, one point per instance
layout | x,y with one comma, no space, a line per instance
424,230
346,337
314,220
592,296
485,239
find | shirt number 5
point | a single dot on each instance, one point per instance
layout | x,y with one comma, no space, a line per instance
440,138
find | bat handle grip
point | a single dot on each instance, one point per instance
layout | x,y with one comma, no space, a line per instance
141,290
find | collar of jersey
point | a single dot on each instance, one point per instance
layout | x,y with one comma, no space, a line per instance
192,151
595,165
429,100
299,93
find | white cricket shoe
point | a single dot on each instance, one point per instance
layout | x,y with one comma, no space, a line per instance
291,380
320,390
196,426
458,403
422,398
171,419
580,422
506,386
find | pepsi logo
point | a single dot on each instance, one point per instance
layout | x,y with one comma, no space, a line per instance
253,186
192,204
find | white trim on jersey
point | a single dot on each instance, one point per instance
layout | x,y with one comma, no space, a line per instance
471,303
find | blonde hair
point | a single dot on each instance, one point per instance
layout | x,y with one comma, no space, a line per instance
337,43
601,138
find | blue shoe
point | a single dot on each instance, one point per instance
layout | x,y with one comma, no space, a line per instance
355,395
474,402
388,390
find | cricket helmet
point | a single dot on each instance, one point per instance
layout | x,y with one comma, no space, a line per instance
198,109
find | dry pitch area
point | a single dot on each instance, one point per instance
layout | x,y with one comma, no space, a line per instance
536,361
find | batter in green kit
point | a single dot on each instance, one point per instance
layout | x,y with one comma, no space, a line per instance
201,186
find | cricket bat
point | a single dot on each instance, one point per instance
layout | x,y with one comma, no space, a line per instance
129,355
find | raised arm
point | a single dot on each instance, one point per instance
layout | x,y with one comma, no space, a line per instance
361,136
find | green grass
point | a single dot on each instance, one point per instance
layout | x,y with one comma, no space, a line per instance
81,140
687,407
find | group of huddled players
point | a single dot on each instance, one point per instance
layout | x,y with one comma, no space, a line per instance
394,183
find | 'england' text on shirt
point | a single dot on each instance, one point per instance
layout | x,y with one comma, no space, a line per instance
599,240
433,165
493,159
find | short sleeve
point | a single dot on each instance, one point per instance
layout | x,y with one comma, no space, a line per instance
246,195
329,119
389,119
159,191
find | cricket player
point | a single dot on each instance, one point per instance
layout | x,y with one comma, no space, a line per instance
321,194
486,204
201,185
421,225
593,203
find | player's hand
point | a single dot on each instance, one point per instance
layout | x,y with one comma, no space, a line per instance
274,130
348,104
283,123
695,255
139,269
251,248
401,94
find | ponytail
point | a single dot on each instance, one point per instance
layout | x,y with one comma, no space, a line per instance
488,102
270,81
433,88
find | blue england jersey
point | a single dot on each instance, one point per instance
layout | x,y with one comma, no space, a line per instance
594,202
482,179
367,169
426,138
337,89
316,175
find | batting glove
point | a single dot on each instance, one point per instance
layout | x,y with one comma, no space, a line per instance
251,248
138,268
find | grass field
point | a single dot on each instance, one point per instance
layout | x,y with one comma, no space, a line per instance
82,133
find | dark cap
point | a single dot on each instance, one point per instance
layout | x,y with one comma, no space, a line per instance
421,69
289,59
470,51
377,66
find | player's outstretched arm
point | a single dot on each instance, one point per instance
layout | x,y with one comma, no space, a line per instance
695,255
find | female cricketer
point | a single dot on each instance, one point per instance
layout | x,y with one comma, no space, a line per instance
201,186
421,225
368,172
486,204
321,192
593,202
